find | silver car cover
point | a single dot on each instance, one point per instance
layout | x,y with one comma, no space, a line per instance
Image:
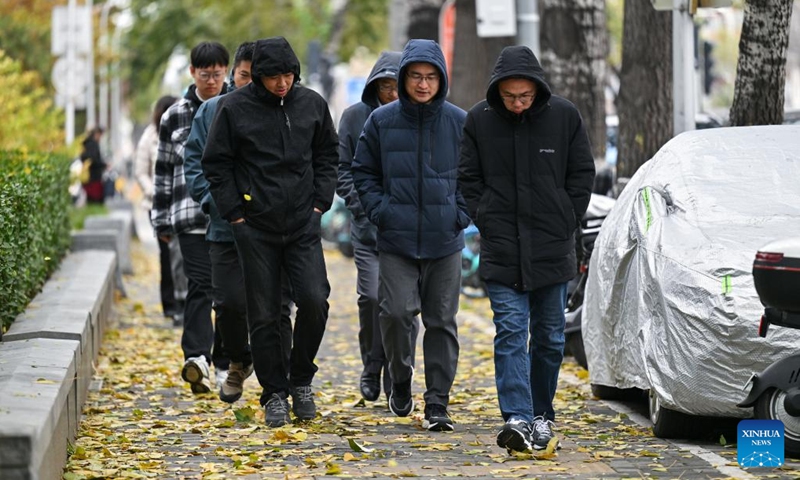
670,302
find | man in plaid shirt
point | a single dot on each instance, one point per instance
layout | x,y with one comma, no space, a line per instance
175,213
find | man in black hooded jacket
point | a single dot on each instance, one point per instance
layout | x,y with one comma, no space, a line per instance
270,160
526,173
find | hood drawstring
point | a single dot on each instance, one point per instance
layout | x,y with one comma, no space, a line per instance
288,123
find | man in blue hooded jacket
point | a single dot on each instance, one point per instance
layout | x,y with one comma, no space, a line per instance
381,88
405,171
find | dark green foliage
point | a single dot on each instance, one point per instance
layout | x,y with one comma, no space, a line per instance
34,226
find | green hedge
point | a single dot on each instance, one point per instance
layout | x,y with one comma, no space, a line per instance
34,226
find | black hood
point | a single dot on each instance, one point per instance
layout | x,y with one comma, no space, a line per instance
387,66
273,56
517,62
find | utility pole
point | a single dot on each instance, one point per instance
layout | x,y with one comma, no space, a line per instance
684,85
70,98
91,114
528,25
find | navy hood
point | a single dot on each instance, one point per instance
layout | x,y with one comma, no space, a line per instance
387,66
426,51
518,62
273,56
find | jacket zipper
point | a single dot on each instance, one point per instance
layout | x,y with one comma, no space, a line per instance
420,165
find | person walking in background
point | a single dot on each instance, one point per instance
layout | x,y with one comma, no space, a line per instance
173,280
175,213
526,173
226,273
405,172
93,185
381,89
270,160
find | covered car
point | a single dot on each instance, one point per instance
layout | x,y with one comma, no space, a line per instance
670,302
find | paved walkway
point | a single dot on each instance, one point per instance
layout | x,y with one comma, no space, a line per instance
141,421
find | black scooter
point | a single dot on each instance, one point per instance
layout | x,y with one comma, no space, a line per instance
775,392
599,208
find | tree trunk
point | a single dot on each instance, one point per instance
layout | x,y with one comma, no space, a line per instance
423,19
473,58
574,44
761,72
645,93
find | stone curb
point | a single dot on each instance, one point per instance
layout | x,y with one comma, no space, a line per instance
46,364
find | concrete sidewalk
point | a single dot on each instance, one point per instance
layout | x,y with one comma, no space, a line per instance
142,421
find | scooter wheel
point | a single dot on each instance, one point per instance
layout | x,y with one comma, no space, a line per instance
769,406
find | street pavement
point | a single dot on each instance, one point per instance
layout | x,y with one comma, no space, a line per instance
141,420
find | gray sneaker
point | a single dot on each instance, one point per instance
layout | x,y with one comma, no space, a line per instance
515,436
195,371
542,433
233,386
303,403
276,411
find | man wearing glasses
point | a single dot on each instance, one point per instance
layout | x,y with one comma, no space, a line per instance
175,213
380,89
526,173
405,171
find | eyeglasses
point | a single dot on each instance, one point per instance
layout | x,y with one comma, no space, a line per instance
387,88
206,76
524,99
418,78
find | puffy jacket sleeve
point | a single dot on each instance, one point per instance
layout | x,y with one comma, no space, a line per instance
218,164
193,156
368,171
348,136
143,161
470,173
324,159
580,169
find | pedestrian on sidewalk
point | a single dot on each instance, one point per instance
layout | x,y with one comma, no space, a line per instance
97,166
526,173
226,273
270,161
381,89
176,214
405,171
173,280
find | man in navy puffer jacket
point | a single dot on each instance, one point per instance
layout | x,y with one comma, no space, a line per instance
405,172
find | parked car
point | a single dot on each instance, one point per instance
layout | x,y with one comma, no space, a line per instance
670,304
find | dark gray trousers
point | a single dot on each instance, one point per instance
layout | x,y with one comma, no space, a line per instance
429,287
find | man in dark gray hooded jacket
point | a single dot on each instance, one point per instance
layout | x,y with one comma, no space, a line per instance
381,89
270,161
526,173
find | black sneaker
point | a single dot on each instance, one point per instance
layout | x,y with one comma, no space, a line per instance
303,403
542,433
400,401
515,436
370,386
276,410
437,419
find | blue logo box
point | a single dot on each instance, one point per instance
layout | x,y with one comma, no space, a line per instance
760,443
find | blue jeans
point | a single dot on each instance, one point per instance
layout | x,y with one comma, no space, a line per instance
527,373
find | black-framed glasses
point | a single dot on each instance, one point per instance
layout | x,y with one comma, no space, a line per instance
387,88
418,77
524,99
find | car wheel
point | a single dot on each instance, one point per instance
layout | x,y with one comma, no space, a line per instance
669,423
604,392
575,347
769,406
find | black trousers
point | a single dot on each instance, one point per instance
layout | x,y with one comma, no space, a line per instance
199,336
230,302
262,255
168,303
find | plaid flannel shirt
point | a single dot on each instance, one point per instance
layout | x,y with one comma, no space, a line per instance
174,211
